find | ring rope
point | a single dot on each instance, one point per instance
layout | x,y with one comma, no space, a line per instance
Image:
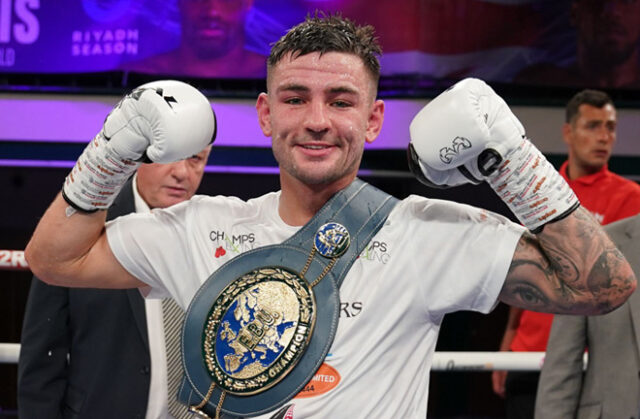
442,361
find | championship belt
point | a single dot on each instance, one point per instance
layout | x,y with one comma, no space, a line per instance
262,324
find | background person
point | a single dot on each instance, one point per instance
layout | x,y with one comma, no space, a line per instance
607,39
212,43
101,353
590,134
610,387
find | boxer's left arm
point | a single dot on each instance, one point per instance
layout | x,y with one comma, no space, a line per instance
565,263
73,251
570,267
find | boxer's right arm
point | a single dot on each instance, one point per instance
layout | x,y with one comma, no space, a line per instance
566,263
161,122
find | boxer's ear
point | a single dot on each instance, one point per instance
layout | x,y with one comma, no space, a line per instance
264,113
374,124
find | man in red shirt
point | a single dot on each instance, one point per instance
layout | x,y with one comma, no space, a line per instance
590,133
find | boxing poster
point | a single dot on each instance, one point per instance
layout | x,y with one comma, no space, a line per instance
497,40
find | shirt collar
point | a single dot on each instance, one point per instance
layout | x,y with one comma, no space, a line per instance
141,206
585,180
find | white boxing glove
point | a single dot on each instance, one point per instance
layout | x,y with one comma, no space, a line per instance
468,128
468,134
161,122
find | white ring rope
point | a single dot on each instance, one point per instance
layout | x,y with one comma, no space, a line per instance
442,361
9,353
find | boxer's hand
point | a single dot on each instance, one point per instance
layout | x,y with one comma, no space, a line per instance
433,177
469,134
162,122
462,135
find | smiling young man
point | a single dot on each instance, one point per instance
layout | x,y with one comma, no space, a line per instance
320,109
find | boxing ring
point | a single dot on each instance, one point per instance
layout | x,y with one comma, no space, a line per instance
442,361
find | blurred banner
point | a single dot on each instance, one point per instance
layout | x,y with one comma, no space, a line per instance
522,41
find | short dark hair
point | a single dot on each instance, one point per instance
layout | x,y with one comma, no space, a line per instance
329,33
591,97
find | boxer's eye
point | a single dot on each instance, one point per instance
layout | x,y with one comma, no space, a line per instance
341,104
293,101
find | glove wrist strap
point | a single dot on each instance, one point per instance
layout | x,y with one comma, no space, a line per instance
97,177
531,187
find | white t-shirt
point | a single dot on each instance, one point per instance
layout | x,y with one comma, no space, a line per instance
431,257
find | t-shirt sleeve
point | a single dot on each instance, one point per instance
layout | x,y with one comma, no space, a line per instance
154,248
467,253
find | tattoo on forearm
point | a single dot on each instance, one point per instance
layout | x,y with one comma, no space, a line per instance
604,277
564,267
69,211
572,267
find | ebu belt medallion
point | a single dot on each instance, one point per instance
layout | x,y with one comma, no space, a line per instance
332,240
258,329
255,333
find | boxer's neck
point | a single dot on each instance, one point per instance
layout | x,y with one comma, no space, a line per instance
299,202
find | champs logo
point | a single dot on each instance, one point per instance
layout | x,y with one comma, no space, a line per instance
324,380
230,243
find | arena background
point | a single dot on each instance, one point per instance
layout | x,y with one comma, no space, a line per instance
64,64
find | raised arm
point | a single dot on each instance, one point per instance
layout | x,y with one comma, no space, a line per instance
160,122
571,267
468,134
69,248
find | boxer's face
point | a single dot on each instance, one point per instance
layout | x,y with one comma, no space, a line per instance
212,28
319,111
591,136
163,185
